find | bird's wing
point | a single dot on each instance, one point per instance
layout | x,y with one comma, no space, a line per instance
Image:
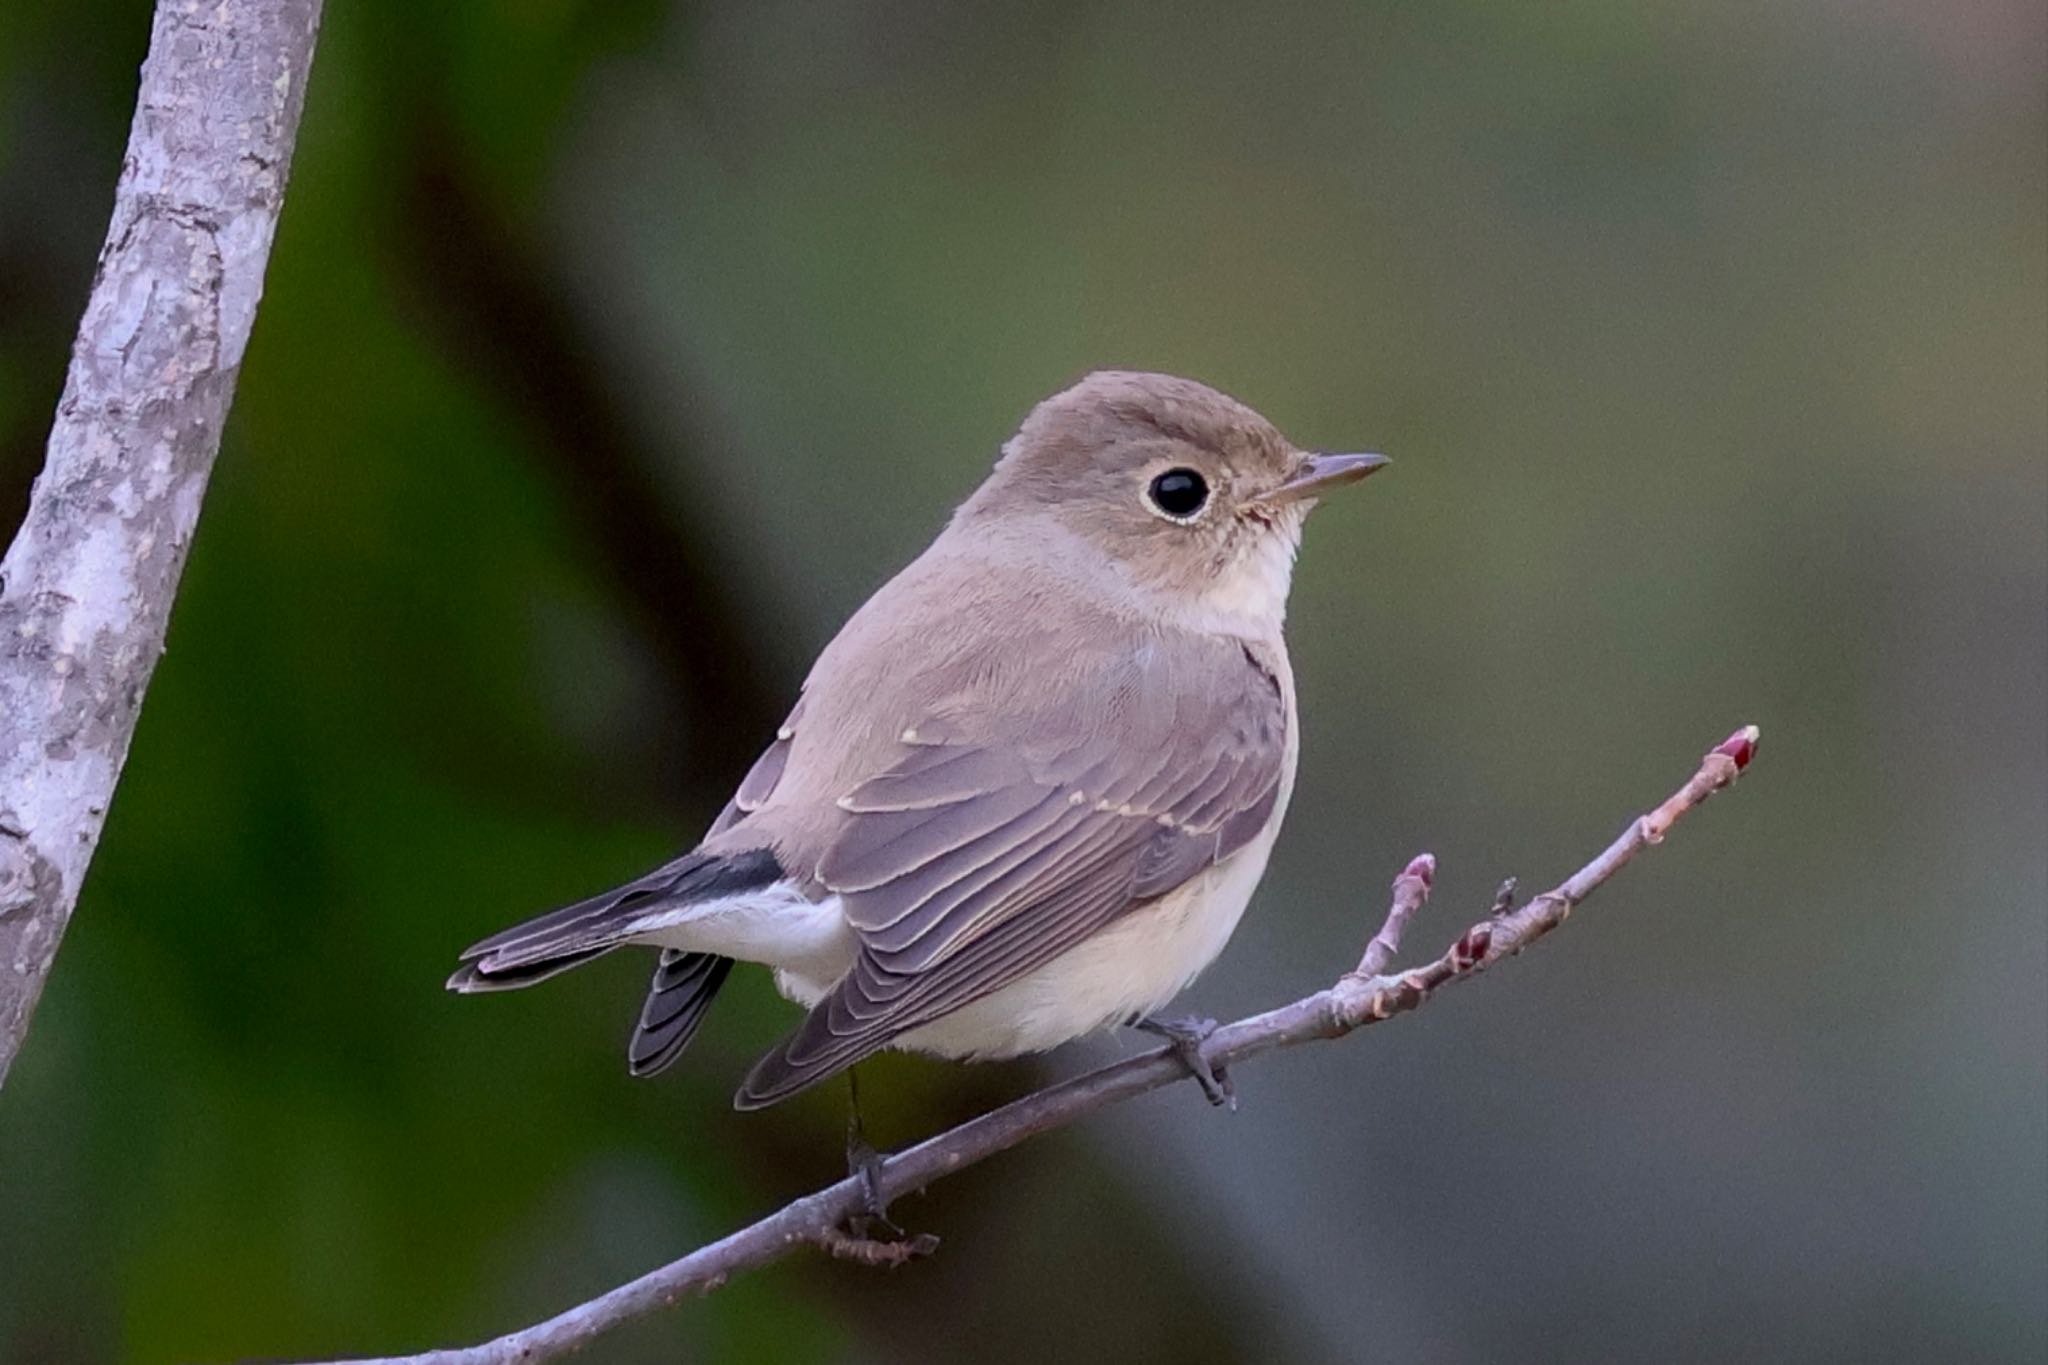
761,779
1000,836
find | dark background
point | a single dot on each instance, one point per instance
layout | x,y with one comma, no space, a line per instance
613,352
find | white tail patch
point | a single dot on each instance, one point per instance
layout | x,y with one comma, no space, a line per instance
777,925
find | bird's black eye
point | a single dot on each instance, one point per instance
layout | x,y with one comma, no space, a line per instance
1179,493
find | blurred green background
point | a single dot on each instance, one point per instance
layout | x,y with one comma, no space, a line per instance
613,352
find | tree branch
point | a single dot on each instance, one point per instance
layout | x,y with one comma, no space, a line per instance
86,587
1360,997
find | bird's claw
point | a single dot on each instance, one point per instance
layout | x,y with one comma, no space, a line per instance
1186,1034
865,1163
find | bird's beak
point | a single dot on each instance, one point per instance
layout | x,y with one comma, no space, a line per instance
1323,473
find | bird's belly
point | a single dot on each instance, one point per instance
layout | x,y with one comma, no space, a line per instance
1128,970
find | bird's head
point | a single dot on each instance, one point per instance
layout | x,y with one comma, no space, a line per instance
1192,495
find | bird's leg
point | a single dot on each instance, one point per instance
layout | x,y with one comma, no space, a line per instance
864,1161
1186,1033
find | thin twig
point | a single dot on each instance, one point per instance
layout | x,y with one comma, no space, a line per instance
1411,890
1364,996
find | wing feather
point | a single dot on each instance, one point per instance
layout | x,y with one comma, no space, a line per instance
936,777
882,846
983,869
977,858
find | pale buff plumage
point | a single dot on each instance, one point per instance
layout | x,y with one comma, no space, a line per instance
1028,789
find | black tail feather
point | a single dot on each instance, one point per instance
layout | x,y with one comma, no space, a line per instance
470,980
573,935
684,986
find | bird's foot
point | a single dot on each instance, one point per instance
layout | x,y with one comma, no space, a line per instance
865,1164
860,1239
1186,1034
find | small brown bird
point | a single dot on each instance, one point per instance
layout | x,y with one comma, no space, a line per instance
1028,789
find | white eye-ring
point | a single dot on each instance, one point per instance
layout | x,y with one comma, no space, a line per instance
1179,494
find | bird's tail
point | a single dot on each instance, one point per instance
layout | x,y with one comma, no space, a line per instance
569,937
681,993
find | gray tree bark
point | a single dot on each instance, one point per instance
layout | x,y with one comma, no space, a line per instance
86,587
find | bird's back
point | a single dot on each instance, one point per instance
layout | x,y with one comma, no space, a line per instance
1022,643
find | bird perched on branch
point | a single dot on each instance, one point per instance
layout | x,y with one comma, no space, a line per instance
1028,789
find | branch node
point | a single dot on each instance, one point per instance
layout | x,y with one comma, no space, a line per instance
1504,898
1469,953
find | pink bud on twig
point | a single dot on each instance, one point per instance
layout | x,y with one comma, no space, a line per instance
1740,746
1422,867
